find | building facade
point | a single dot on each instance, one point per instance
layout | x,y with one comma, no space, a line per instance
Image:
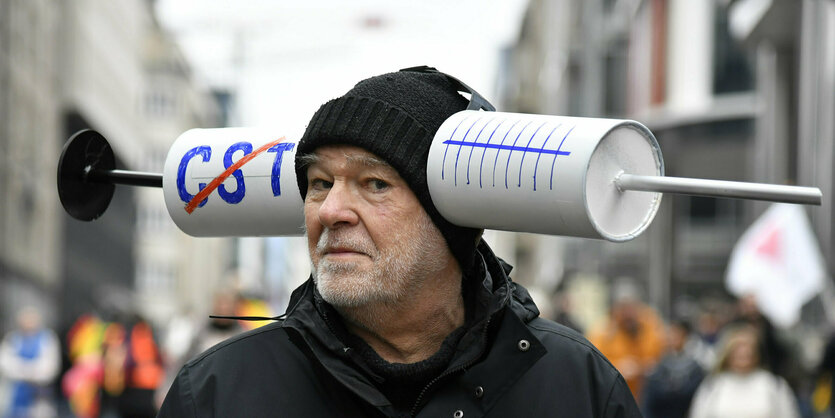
71,65
30,125
729,93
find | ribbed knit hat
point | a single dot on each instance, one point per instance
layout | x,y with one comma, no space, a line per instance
394,116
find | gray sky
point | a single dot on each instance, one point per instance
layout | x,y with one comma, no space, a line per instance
286,58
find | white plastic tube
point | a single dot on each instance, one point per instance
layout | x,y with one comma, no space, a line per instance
258,198
543,174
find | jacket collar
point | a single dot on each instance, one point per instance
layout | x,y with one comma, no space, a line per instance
488,286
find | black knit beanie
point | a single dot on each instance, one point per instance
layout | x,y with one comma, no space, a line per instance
394,116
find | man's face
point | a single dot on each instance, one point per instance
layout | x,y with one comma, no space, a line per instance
369,238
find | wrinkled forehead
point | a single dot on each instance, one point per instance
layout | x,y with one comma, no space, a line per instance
349,155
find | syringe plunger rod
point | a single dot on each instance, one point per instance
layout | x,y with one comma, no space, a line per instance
720,188
131,178
557,175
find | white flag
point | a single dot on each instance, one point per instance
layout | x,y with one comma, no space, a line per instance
778,261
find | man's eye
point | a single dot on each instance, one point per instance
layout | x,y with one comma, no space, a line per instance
320,184
377,184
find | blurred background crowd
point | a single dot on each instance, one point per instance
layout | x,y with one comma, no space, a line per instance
96,317
723,358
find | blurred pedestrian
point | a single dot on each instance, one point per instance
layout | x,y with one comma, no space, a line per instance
706,337
143,372
563,311
826,377
81,383
114,353
225,303
740,387
30,359
670,387
200,337
774,355
632,337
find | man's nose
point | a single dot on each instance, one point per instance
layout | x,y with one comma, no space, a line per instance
339,207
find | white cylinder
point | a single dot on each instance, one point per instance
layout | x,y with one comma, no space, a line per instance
233,182
543,174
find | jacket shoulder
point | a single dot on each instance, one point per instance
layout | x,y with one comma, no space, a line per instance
568,375
271,333
565,340
236,376
580,365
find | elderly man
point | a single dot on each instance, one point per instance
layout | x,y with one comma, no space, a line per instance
405,314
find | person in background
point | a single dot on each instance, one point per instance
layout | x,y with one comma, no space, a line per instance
739,387
563,311
774,355
705,341
825,376
670,386
186,339
143,371
30,359
632,337
131,369
215,330
81,384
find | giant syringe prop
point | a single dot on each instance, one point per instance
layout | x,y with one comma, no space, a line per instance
585,177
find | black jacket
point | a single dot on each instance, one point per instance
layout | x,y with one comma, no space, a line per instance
511,363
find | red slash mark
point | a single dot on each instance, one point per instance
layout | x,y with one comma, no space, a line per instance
217,181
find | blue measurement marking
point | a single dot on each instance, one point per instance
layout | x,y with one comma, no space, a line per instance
507,165
459,149
470,157
555,157
443,166
481,165
507,147
540,154
525,152
497,152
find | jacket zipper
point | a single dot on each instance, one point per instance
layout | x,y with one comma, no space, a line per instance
451,372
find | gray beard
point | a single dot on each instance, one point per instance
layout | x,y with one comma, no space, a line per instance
396,273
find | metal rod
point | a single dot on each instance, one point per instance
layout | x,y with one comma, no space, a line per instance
133,178
720,188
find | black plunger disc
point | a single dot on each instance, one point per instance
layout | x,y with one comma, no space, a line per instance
84,200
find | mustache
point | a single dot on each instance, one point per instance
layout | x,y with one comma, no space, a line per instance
330,240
